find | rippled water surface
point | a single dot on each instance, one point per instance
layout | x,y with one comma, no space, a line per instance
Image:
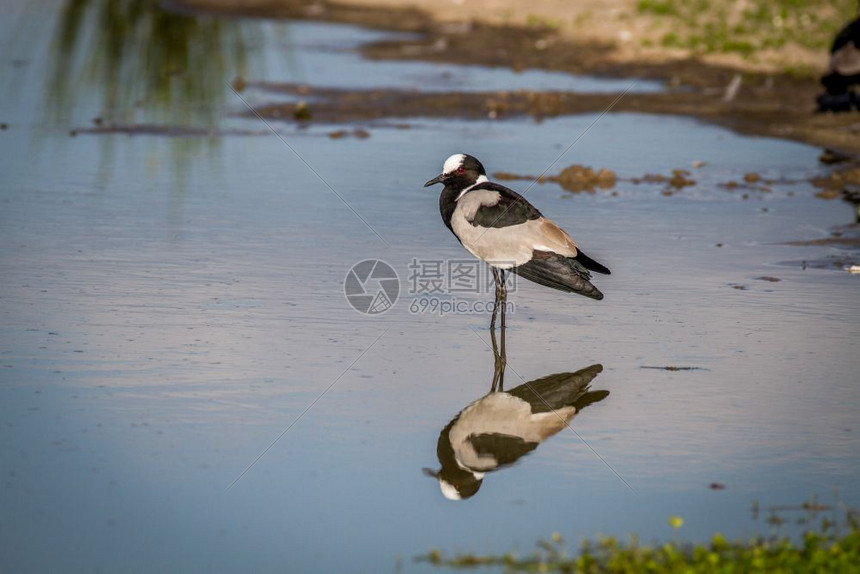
184,387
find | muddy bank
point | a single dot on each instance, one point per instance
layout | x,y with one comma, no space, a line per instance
768,104
753,117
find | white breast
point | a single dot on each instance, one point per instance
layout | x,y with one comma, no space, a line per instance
846,60
505,247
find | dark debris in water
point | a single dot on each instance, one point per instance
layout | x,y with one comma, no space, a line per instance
355,133
679,179
302,112
673,368
753,181
239,84
830,156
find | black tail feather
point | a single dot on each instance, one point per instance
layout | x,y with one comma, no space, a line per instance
561,390
590,263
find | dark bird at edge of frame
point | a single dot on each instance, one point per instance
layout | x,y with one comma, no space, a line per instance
843,71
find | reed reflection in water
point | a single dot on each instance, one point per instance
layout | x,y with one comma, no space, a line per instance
138,55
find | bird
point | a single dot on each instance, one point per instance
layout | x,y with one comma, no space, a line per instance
497,430
499,226
843,71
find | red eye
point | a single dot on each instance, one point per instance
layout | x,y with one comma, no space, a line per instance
461,169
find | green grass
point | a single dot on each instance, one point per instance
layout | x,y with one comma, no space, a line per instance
660,7
716,26
831,546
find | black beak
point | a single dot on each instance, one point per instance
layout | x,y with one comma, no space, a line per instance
438,179
429,471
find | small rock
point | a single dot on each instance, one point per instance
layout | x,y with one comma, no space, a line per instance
578,178
358,133
829,156
680,179
302,112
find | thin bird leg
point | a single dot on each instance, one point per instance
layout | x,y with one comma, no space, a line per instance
497,363
496,301
503,355
503,300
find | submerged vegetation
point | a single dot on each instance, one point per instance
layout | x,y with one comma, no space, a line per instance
831,545
139,67
136,55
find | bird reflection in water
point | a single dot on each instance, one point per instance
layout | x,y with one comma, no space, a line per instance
498,429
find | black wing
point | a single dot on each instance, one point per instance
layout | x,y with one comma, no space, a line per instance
506,449
512,208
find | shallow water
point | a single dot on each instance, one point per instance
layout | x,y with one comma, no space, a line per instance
164,323
324,55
